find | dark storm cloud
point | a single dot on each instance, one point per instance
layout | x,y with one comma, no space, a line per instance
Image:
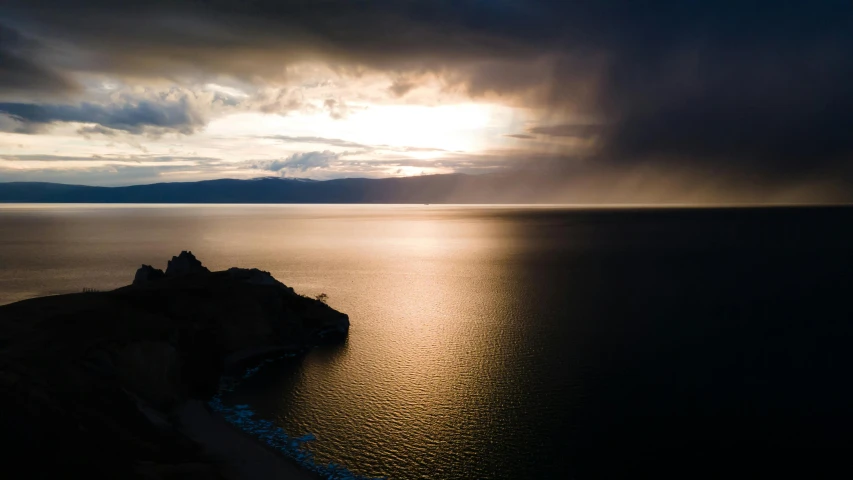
756,86
133,117
567,130
775,95
20,74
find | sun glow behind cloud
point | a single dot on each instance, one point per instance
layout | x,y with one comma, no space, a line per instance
452,127
464,127
243,135
381,88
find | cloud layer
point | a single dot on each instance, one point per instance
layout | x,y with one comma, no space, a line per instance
726,86
131,117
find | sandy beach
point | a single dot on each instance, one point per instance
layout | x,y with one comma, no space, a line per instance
243,457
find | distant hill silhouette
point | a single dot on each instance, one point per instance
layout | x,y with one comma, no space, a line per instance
454,188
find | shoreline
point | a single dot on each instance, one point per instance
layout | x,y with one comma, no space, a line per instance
139,398
249,447
241,455
238,453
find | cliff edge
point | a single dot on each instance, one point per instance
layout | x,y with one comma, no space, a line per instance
91,383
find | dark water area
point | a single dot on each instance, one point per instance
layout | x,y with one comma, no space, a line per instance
506,343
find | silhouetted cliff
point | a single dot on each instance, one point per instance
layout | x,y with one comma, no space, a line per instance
90,382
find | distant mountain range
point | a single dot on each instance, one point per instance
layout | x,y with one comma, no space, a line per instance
454,188
518,187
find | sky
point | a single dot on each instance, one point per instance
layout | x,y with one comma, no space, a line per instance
737,98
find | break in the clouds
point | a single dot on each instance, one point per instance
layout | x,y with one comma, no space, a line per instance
732,88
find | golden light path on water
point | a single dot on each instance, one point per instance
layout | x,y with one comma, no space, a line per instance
510,342
429,290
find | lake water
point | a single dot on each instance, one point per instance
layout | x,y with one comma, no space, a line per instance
516,342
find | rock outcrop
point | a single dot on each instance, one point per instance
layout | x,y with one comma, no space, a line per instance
147,273
91,381
185,264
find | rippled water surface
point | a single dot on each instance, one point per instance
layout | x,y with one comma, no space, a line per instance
511,342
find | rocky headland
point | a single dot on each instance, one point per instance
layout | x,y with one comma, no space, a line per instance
109,384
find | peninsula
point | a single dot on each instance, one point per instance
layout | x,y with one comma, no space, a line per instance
113,384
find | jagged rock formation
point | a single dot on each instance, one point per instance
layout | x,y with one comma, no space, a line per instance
147,273
91,381
185,264
180,265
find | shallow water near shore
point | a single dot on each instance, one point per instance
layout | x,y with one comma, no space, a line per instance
512,342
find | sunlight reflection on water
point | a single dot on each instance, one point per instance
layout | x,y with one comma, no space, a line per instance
497,342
